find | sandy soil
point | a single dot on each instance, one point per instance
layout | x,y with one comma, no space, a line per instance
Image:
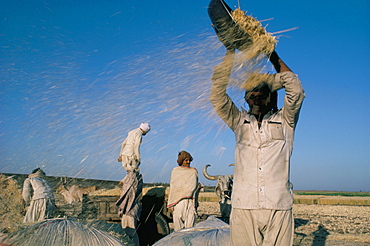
315,225
319,225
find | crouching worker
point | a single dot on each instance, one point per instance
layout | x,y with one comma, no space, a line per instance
183,192
41,203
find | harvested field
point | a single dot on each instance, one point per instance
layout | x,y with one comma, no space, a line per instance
317,221
319,225
332,200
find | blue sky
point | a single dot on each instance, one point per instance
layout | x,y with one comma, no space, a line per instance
76,76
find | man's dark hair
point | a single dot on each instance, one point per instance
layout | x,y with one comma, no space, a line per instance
36,170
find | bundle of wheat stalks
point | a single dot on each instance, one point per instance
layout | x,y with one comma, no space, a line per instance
262,41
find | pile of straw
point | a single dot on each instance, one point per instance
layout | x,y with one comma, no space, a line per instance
11,205
104,192
156,191
262,42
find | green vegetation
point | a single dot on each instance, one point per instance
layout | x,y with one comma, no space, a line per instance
332,193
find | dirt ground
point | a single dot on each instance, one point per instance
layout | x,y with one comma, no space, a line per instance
319,225
315,225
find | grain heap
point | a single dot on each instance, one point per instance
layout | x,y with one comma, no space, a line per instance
156,191
11,206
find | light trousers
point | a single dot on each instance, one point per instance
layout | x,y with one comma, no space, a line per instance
184,214
39,210
261,227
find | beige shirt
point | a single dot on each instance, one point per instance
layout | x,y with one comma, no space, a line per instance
262,155
131,145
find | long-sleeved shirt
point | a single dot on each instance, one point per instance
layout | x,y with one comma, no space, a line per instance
262,155
39,187
130,146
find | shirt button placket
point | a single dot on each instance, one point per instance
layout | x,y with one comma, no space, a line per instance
260,177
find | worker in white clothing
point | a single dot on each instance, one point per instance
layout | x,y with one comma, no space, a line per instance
129,203
183,192
38,195
130,148
262,193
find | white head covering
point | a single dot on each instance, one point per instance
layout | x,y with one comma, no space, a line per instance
145,127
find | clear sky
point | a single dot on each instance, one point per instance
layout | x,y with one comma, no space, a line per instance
76,76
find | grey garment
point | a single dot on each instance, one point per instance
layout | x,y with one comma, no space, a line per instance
262,227
262,155
39,210
129,202
36,188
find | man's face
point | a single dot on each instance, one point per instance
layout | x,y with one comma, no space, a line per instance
186,162
258,102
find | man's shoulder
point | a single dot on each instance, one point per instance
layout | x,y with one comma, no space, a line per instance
33,180
185,169
277,115
135,132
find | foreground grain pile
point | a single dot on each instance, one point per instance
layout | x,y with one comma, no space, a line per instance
11,205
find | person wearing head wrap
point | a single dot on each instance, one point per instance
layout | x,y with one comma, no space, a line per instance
38,195
129,203
183,192
129,154
262,193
